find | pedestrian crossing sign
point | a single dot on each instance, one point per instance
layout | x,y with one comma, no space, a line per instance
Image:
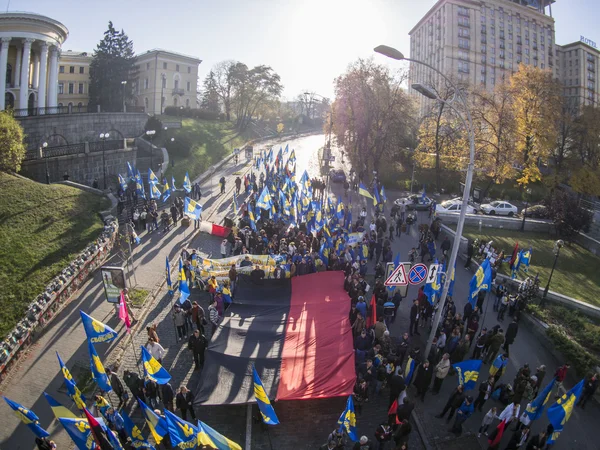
398,277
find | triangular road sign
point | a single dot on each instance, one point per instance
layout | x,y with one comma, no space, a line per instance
398,277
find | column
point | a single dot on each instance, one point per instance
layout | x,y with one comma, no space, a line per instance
42,81
26,59
3,62
18,67
53,78
36,70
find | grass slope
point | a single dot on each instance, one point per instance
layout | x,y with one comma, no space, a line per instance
210,142
576,274
41,229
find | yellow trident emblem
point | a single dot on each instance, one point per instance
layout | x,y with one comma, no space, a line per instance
187,430
136,433
82,426
98,327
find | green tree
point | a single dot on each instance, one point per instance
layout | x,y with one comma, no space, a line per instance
210,97
568,217
12,148
113,62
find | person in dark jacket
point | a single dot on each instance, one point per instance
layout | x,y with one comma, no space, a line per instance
423,379
454,401
462,414
518,438
485,392
117,386
414,318
185,402
511,334
537,442
197,344
589,388
404,410
396,385
167,395
470,250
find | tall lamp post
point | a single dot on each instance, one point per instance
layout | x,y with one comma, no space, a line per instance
467,122
528,194
124,84
150,134
103,138
556,250
42,151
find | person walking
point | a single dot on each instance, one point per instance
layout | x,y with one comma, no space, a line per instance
487,421
197,344
510,413
537,442
185,402
454,401
198,317
470,250
383,434
179,319
485,392
511,334
589,389
213,316
167,395
494,342
499,366
155,349
414,318
238,185
480,344
441,371
561,374
117,386
423,379
222,183
462,414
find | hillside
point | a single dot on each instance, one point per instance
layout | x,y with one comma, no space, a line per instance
41,229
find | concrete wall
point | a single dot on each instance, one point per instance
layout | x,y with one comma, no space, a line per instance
588,243
82,168
76,128
509,223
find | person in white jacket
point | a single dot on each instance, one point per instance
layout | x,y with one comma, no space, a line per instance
510,413
155,349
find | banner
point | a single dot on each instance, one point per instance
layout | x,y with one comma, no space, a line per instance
113,280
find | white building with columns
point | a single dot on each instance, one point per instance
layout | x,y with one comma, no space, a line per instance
29,54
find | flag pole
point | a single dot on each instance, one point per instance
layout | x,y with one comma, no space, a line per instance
137,364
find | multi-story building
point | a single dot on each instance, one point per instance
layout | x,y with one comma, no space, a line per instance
74,79
481,42
166,79
576,66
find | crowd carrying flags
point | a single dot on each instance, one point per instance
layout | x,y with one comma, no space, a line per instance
187,185
180,431
72,389
59,410
192,209
98,373
78,430
347,420
468,373
523,258
481,281
362,190
137,438
157,425
536,407
264,404
560,412
153,369
184,288
152,178
28,418
95,330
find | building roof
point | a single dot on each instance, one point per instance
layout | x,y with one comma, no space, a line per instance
75,54
152,53
19,16
577,43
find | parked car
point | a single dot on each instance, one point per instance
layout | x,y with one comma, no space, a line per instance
337,176
536,212
454,206
415,201
499,208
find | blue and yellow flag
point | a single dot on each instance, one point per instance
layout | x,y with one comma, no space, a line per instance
154,191
264,404
376,198
362,190
59,410
382,194
157,424
347,420
468,373
79,430
97,368
217,440
536,407
264,201
173,183
525,259
137,438
339,213
152,178
409,370
122,183
168,270
153,369
72,389
251,217
516,265
180,431
130,171
28,418
305,181
192,209
95,330
560,413
166,192
481,281
187,185
184,287
139,185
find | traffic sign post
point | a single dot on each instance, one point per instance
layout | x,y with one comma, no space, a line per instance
398,277
417,274
432,274
389,270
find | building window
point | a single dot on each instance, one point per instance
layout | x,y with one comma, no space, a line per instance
463,67
493,60
61,69
80,90
464,22
165,65
71,69
147,68
82,69
61,88
79,105
463,43
463,55
189,70
176,84
188,86
71,88
146,83
176,67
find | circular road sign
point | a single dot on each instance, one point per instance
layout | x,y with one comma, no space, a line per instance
417,274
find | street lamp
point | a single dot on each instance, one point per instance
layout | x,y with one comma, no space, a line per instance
124,83
528,192
42,151
556,250
103,138
458,95
150,134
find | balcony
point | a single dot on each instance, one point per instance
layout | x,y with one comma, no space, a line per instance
463,69
592,69
178,91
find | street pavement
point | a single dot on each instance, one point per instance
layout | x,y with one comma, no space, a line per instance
38,372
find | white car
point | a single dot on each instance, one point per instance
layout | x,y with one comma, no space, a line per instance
453,206
500,208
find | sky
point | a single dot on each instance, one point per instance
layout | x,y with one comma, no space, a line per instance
307,42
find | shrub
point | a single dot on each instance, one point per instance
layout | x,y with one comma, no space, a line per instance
12,149
581,360
154,123
194,113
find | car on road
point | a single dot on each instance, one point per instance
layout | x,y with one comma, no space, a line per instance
415,201
454,206
337,176
536,212
499,208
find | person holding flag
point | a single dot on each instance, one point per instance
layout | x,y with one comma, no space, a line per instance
152,367
28,418
560,413
347,420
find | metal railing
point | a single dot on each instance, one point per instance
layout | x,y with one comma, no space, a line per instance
63,110
98,146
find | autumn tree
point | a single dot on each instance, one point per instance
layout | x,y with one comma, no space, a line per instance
373,116
536,106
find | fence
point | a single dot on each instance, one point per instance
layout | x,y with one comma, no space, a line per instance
74,149
62,110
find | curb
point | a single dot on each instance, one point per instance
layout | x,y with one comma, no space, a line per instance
421,431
